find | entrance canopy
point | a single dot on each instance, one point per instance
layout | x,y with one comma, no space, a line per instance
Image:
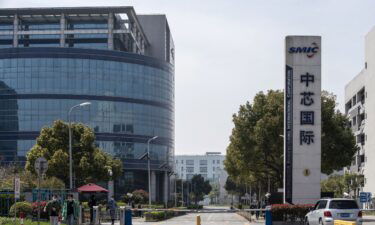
92,188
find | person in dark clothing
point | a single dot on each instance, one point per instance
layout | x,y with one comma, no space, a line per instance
112,206
70,210
92,203
257,213
53,208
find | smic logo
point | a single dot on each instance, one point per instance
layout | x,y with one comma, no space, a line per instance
310,51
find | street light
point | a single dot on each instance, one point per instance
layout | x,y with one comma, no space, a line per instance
110,184
70,143
149,176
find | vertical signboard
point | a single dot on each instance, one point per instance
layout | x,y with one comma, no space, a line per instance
302,121
17,188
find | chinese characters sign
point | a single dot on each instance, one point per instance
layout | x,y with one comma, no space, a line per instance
302,128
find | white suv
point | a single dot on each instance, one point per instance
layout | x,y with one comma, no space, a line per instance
327,210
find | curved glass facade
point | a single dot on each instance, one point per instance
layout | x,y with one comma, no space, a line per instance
132,100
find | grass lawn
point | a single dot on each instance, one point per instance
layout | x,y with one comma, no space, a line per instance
10,221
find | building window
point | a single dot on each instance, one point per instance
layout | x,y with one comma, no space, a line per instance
202,162
354,121
190,162
182,168
190,169
218,161
189,176
182,161
213,168
203,169
213,161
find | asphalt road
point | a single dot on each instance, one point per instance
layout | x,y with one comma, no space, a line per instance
368,220
206,219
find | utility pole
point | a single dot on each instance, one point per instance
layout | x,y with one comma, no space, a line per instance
182,193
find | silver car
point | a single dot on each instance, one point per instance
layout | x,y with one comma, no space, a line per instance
327,210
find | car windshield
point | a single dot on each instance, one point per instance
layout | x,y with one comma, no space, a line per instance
343,204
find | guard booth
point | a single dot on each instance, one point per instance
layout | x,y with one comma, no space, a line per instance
6,201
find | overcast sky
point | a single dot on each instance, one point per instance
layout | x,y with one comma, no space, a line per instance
228,50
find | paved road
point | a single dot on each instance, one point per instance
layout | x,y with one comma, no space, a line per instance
206,219
369,220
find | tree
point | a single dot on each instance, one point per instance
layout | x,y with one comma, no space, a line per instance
230,186
334,184
200,187
215,192
90,164
28,180
256,145
338,184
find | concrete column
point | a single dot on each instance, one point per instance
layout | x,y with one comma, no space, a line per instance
166,188
110,31
153,186
134,32
62,29
15,31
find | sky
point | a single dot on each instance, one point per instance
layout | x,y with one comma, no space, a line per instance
229,50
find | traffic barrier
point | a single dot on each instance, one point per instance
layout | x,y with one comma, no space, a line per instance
96,215
344,222
128,217
198,220
268,217
122,215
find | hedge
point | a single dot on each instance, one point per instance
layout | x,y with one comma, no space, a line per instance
24,207
158,215
194,207
290,213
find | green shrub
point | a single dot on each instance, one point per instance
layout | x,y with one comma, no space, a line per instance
24,207
85,205
6,221
285,212
119,203
158,215
195,207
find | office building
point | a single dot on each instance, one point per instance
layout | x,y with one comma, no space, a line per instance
123,63
210,166
360,109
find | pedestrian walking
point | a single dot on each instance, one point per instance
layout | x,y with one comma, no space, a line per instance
53,208
257,213
112,206
70,210
92,202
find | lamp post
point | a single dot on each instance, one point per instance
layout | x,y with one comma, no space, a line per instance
149,171
70,143
110,184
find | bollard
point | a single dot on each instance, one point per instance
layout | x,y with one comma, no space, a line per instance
268,217
96,215
122,215
128,217
198,220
